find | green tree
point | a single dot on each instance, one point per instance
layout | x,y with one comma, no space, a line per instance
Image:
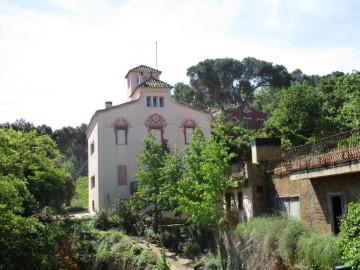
72,143
203,180
150,181
188,95
349,241
232,135
298,114
347,88
221,81
31,180
35,159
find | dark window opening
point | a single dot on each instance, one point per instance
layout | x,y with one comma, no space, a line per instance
337,207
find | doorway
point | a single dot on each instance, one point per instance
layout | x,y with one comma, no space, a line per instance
337,205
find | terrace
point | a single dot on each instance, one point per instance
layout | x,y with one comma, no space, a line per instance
339,153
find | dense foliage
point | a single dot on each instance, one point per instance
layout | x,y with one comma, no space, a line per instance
216,83
280,243
32,186
350,236
205,165
189,182
234,137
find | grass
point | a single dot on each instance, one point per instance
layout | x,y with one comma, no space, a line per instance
79,201
277,242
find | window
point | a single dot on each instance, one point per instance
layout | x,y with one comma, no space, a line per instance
92,181
229,201
260,122
122,175
92,148
138,80
161,101
188,135
240,200
121,136
155,104
93,205
291,205
128,81
188,126
158,135
133,187
247,122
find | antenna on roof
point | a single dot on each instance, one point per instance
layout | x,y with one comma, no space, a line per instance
156,54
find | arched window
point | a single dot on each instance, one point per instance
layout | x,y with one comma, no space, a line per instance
157,123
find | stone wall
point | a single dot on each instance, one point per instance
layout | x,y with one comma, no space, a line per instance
315,196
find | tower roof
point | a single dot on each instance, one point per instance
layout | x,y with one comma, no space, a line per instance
143,68
154,83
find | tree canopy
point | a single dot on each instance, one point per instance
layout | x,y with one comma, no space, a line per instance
32,180
216,83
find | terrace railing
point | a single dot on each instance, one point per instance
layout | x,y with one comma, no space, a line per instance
336,149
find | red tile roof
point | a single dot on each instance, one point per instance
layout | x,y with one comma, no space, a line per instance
143,68
154,83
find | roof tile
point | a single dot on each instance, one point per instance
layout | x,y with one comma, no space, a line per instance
143,68
154,83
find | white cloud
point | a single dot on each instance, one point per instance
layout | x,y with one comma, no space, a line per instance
59,67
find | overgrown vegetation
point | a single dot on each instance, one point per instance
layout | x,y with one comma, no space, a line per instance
350,236
80,199
277,242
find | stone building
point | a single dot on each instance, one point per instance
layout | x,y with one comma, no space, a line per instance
312,183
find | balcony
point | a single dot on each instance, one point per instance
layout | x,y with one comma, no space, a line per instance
336,150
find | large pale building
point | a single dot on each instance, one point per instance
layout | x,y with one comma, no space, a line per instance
115,133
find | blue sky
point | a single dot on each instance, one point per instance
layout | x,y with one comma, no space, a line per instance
60,60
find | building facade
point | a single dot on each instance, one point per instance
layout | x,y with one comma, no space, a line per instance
312,183
115,133
251,117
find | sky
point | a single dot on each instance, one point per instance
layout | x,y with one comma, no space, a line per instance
61,60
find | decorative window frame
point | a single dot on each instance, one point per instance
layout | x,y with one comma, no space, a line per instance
188,123
247,122
156,121
121,123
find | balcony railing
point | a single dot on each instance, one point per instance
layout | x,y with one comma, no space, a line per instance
336,149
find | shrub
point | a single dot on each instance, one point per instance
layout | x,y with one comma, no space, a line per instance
101,220
280,243
349,241
318,251
212,261
288,239
122,215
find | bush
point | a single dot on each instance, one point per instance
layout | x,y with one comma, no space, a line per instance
280,243
318,251
212,261
79,201
101,220
349,241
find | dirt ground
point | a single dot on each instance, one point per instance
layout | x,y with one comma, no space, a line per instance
176,262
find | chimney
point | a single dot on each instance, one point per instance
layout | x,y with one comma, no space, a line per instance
263,149
108,104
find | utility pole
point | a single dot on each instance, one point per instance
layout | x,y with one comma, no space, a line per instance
156,54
